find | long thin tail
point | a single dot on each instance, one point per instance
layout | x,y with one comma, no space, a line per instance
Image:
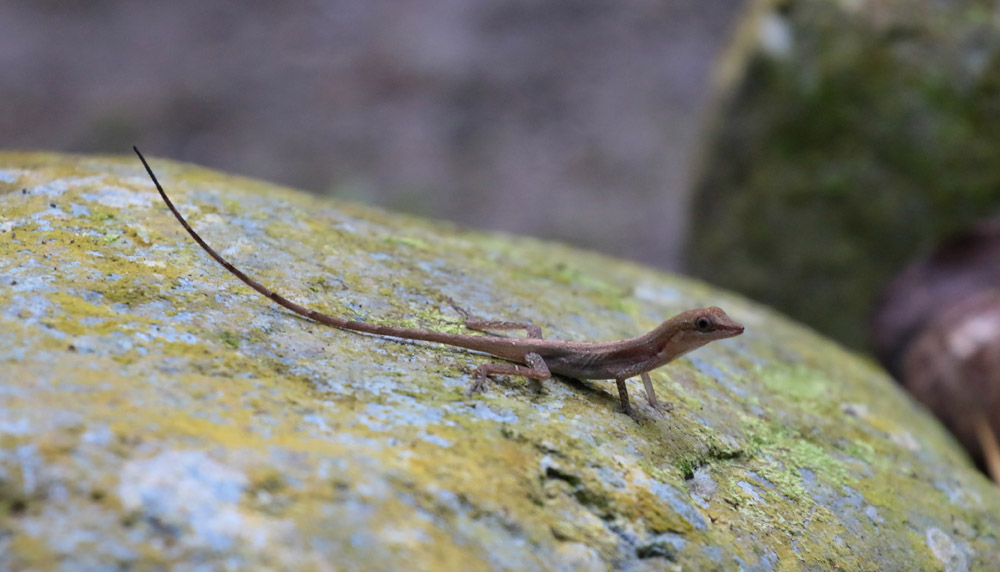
481,343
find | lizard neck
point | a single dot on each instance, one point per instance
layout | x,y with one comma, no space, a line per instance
665,340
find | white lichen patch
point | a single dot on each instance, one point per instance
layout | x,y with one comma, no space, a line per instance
190,491
946,550
58,187
118,197
10,175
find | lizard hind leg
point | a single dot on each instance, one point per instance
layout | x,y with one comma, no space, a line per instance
535,369
481,325
534,332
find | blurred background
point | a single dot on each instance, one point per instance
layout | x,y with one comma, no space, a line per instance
568,119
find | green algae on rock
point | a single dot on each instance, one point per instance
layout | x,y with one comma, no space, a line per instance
849,136
156,413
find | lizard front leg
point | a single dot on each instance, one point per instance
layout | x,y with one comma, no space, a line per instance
651,395
536,369
623,395
640,369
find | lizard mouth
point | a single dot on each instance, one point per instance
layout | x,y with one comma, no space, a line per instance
730,330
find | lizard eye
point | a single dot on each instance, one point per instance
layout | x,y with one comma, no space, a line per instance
703,323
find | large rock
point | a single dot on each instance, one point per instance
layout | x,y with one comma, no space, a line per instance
158,414
849,136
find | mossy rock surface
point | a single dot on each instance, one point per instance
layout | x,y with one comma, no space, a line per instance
849,138
158,414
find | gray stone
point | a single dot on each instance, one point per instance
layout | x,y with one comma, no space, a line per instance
848,138
157,414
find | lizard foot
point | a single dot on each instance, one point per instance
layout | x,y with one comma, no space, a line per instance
664,406
478,386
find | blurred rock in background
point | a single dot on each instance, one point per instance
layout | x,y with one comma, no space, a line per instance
566,119
937,330
850,136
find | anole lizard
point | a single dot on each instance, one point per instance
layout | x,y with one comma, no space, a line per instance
536,358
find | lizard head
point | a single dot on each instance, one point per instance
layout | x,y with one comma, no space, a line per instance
712,322
692,329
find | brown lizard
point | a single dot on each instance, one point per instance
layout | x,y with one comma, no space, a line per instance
537,358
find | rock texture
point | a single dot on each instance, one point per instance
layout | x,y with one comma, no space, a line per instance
849,136
157,414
